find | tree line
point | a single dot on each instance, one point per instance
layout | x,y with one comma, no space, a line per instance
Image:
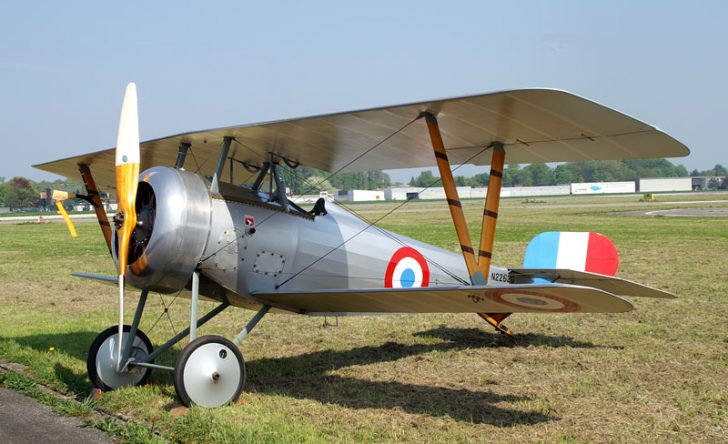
20,192
303,180
538,174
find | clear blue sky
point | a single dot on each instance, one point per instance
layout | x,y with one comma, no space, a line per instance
64,65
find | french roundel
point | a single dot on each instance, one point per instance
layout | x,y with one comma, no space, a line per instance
407,269
534,300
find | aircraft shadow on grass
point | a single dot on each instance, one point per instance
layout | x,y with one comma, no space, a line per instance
309,375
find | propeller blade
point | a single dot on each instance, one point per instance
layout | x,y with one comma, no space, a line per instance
127,181
127,171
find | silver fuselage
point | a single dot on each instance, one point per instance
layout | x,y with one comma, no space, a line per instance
244,244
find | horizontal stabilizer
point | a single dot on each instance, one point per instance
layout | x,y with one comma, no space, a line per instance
534,298
610,284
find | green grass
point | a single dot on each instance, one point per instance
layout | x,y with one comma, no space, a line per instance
656,374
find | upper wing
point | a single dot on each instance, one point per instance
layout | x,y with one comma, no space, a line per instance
609,284
547,298
535,125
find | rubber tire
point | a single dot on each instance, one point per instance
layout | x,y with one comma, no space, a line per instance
179,367
94,349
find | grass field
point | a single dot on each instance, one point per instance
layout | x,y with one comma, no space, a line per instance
657,374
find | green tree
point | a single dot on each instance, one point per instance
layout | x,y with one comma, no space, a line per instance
292,178
540,174
509,175
522,178
481,180
382,180
364,180
590,171
3,190
315,184
20,193
567,173
371,181
462,181
653,168
681,171
425,179
614,171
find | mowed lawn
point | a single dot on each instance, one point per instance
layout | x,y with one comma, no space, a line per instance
656,374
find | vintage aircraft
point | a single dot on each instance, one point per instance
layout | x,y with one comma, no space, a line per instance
209,216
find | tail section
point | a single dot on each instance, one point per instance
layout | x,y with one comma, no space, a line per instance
581,251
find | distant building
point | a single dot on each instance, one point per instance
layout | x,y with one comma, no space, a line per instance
359,195
663,184
702,183
553,190
647,185
408,193
602,187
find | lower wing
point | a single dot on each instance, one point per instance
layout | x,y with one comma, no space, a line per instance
530,298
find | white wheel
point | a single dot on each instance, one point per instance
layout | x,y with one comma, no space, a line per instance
210,372
101,362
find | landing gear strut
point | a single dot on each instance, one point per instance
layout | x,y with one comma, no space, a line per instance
209,372
496,320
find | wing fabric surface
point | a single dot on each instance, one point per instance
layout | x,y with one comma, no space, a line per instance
548,298
610,284
535,125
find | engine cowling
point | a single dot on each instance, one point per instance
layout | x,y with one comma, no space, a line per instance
173,212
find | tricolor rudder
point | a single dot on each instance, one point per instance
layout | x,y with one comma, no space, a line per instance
582,251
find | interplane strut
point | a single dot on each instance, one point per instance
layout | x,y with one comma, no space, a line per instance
478,267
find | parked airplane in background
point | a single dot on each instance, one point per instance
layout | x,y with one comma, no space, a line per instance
209,216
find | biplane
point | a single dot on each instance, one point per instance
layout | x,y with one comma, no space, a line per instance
209,216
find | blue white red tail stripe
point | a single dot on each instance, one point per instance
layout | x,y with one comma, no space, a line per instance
582,251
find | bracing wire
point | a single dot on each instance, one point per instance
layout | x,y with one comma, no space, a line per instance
373,223
364,153
312,187
402,243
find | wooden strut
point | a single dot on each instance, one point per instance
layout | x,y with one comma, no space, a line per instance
451,192
490,212
478,267
95,199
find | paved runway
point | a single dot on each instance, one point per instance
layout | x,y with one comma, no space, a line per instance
25,420
680,212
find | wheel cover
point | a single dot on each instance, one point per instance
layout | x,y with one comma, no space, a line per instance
106,362
211,375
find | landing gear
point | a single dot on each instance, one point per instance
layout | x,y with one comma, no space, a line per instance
210,372
102,356
496,320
